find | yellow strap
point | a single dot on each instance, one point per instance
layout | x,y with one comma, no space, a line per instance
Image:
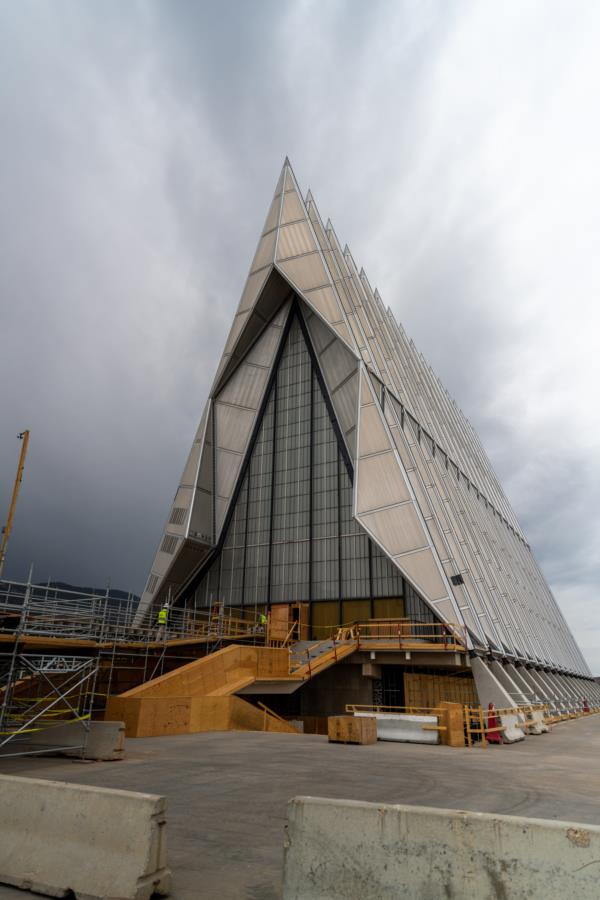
29,730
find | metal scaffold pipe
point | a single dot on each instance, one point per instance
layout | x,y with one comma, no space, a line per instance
23,436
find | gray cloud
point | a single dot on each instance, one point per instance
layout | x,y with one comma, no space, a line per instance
455,152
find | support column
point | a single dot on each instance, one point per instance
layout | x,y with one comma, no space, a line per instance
538,726
489,690
544,692
553,694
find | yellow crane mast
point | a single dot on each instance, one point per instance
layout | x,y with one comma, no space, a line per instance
24,436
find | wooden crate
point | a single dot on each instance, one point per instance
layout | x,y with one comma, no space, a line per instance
351,730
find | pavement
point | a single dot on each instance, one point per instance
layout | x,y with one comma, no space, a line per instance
227,792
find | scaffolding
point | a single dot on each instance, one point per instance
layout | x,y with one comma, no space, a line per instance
61,650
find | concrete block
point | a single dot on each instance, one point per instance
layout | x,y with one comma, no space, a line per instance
349,850
101,844
404,727
104,740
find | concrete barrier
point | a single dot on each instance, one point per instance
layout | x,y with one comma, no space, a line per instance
103,741
347,850
97,843
404,727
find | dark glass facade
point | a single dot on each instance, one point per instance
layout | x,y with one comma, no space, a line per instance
291,536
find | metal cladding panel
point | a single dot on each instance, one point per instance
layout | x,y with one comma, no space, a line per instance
373,436
233,425
344,332
421,569
321,334
247,384
380,482
272,219
265,251
337,362
252,289
235,411
325,301
397,528
294,240
288,182
236,329
227,466
446,611
293,208
345,402
263,351
305,272
191,467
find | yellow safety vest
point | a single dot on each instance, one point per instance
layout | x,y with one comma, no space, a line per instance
263,619
162,616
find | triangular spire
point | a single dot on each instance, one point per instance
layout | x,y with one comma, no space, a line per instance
424,489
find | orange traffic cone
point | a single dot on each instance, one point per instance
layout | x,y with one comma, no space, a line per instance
493,737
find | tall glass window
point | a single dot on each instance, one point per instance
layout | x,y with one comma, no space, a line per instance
291,536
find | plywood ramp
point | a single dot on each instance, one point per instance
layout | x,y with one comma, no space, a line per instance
157,716
218,674
199,696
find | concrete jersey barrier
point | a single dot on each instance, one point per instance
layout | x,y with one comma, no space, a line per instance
99,843
404,727
349,850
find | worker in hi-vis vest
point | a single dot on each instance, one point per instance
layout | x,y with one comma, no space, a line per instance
262,620
161,622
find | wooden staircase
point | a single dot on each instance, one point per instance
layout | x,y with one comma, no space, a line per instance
200,695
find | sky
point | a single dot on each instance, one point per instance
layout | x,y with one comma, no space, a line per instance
455,147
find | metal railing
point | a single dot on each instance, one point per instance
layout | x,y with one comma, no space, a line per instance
405,631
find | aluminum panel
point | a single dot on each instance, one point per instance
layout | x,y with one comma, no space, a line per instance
337,363
326,303
373,436
191,467
246,386
421,570
236,329
227,466
294,240
305,272
265,252
379,483
396,528
264,350
221,506
288,180
272,219
321,336
252,289
233,426
446,611
293,208
344,332
345,402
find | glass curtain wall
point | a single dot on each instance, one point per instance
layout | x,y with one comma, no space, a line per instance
291,536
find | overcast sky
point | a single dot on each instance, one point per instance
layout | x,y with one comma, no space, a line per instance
455,146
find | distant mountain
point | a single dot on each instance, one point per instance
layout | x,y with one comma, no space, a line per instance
64,590
114,594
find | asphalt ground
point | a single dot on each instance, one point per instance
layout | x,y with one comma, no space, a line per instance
227,792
